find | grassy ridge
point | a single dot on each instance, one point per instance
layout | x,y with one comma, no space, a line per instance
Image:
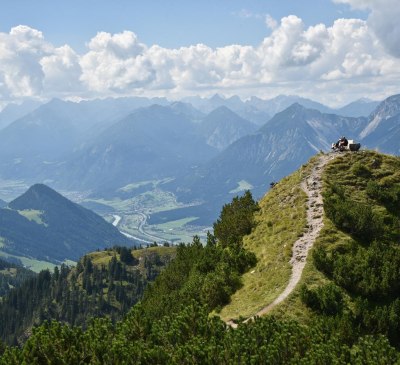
280,222
104,257
352,172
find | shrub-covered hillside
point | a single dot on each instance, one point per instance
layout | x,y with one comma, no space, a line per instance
353,274
358,252
345,310
104,283
11,276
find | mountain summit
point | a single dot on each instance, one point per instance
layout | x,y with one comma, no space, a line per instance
43,224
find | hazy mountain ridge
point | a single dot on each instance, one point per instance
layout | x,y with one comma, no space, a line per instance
383,129
221,127
13,112
37,143
42,224
288,140
358,108
151,143
173,141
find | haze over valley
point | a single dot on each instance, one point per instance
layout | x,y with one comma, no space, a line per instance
204,182
166,167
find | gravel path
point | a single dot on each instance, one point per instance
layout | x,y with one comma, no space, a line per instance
312,187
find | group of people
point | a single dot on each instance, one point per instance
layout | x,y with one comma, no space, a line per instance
341,144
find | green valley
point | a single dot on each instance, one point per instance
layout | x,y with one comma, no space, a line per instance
218,303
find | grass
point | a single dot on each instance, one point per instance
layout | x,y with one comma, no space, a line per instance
11,271
102,258
171,225
177,231
161,250
280,222
344,170
154,183
29,263
293,307
69,262
133,186
150,202
33,215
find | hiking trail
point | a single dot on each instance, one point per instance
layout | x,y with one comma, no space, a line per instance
311,185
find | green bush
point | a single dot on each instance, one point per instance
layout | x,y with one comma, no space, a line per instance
321,260
236,220
372,271
388,196
353,217
326,299
360,170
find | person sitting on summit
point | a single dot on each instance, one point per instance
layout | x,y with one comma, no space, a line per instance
343,142
340,144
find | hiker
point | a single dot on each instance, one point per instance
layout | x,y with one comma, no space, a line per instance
343,142
340,144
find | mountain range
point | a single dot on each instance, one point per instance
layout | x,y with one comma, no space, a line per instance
209,148
285,142
12,111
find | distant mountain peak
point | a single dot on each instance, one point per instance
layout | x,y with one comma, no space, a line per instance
364,100
295,109
296,106
37,197
385,110
235,99
56,103
217,98
222,110
66,229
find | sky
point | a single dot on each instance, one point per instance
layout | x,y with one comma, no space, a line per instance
332,51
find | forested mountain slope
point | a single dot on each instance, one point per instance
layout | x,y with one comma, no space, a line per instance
345,310
44,225
151,143
103,284
12,276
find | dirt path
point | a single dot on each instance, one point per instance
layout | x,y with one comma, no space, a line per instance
312,187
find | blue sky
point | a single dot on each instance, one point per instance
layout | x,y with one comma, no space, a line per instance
167,23
333,51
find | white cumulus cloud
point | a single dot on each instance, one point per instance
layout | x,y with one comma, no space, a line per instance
32,67
116,63
383,19
333,64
